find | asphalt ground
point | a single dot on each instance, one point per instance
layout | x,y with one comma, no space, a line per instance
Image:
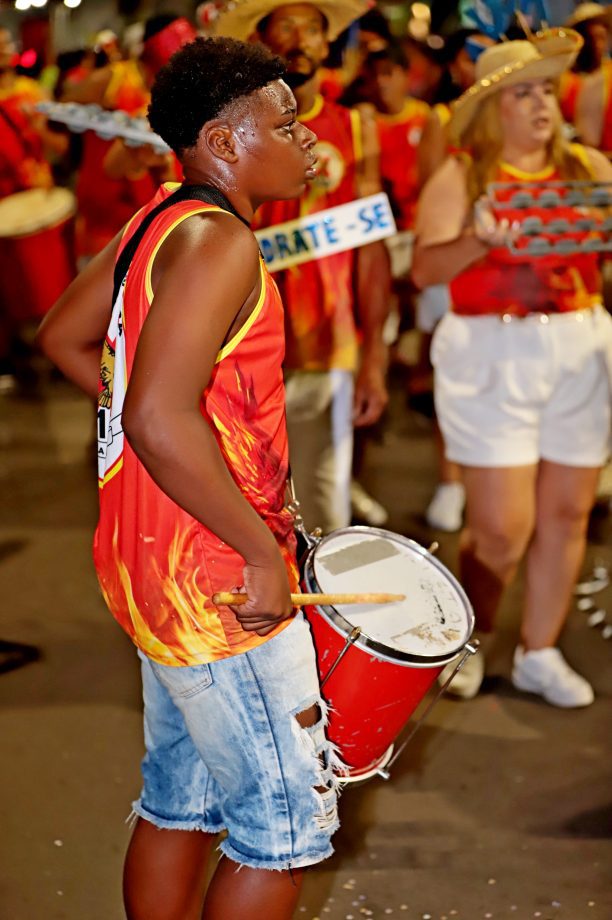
500,807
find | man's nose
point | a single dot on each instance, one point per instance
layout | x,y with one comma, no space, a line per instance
310,138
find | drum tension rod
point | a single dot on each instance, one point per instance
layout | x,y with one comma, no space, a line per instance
470,649
352,638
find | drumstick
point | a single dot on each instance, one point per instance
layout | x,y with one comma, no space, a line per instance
299,600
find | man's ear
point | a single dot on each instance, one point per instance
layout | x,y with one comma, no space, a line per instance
219,138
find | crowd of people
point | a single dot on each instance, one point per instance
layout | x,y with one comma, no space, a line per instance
518,345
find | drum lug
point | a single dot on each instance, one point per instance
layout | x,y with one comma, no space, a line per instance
351,639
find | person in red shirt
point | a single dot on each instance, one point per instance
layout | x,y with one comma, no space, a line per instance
522,362
334,382
186,368
593,99
107,198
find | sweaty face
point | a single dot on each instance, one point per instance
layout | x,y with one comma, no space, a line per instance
280,159
297,32
529,113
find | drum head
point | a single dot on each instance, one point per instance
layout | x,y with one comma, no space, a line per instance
38,208
429,627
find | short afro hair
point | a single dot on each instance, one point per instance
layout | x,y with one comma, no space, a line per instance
201,79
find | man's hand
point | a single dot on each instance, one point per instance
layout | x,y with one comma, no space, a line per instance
269,597
371,396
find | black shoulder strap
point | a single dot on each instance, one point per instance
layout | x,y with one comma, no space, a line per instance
205,193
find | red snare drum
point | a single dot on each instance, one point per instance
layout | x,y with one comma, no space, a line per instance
384,657
36,251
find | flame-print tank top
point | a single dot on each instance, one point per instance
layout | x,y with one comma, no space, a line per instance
504,282
158,567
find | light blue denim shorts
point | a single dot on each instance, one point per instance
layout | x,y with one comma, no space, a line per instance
224,751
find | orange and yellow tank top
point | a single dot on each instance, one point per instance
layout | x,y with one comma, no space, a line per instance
504,282
399,136
318,295
158,567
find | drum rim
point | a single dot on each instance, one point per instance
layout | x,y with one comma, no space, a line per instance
32,225
365,641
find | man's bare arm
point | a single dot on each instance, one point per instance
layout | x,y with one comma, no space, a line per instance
373,287
590,109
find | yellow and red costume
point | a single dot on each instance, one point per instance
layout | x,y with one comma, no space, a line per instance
318,295
106,204
158,566
399,137
504,282
22,159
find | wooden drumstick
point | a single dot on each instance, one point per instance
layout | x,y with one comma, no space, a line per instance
299,600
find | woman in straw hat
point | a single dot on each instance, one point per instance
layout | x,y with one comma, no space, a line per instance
521,388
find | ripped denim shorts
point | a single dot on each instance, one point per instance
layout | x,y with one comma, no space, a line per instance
224,751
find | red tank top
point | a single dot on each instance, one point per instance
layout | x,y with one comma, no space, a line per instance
399,137
318,295
158,567
502,282
106,204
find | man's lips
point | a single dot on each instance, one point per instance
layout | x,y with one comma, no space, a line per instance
311,168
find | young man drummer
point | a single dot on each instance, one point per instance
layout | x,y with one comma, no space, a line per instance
193,471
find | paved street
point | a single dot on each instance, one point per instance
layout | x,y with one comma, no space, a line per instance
501,807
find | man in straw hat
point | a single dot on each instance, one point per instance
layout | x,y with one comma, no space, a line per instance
593,95
521,387
322,297
186,366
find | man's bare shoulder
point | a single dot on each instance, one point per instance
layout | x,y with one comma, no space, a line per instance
208,245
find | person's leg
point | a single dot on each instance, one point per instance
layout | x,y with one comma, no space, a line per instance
164,875
500,518
242,893
259,726
320,431
565,496
177,820
308,400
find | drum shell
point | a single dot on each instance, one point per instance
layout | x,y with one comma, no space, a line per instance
35,269
370,699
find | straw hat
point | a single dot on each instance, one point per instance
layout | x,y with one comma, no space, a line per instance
239,18
546,56
584,12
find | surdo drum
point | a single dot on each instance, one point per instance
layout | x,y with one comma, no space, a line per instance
36,251
376,662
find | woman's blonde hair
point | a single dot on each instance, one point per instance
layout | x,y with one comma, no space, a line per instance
483,141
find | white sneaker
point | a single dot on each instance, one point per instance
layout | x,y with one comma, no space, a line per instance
467,682
367,508
445,510
546,672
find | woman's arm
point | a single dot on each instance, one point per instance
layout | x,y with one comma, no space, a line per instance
450,235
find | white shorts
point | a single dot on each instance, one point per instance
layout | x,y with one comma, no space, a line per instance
513,393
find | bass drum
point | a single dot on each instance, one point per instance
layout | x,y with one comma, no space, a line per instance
36,251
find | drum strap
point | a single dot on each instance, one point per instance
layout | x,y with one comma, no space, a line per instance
205,193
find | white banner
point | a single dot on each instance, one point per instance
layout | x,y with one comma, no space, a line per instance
325,232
